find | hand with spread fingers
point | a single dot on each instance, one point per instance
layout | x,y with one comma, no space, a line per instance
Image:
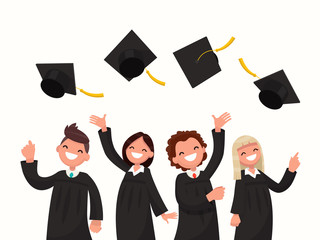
100,122
221,121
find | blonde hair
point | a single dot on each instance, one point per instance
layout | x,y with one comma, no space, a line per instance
237,167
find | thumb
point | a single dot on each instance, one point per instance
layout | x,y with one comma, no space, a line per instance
104,116
30,143
214,117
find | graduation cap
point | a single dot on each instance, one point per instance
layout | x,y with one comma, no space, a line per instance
275,89
58,79
130,57
198,61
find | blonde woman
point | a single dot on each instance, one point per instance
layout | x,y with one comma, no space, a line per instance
252,209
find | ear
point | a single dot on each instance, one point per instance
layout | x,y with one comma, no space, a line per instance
203,149
175,160
151,154
58,148
87,157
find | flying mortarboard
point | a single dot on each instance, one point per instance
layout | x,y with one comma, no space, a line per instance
131,56
198,61
275,89
58,79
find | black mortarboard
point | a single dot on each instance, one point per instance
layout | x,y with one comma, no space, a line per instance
57,79
130,57
276,90
198,61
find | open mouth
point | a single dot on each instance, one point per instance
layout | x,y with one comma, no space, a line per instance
136,155
71,156
251,157
191,157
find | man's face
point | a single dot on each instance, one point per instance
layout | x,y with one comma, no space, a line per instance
189,154
72,153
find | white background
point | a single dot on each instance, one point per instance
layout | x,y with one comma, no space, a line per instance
270,36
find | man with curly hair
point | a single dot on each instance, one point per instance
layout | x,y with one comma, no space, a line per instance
194,193
68,208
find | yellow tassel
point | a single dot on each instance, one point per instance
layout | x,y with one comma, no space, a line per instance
246,68
91,94
154,79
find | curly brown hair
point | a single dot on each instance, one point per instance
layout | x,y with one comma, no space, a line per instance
182,136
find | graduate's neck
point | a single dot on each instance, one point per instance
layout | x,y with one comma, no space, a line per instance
252,169
193,169
136,167
72,168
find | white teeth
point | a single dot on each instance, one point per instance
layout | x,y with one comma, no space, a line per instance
71,156
136,155
251,157
191,157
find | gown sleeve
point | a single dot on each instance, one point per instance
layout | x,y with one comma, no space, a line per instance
239,200
218,139
106,141
158,206
284,184
31,174
190,202
96,212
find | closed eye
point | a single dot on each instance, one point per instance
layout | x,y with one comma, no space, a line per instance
144,150
181,153
131,147
80,151
256,149
243,153
65,146
195,147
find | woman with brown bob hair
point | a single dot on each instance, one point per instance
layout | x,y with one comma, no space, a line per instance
137,191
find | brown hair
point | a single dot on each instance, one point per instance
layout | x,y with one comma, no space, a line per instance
146,138
73,133
182,136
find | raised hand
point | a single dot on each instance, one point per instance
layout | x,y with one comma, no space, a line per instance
167,216
95,226
100,122
235,220
28,152
294,163
216,194
221,121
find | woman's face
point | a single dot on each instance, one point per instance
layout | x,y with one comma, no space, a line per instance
138,152
249,154
189,154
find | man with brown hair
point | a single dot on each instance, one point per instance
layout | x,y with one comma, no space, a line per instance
68,209
194,193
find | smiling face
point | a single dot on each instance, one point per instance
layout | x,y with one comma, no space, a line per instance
72,153
189,153
138,151
249,154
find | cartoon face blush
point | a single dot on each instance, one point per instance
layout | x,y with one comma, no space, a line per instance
138,151
189,153
249,154
72,153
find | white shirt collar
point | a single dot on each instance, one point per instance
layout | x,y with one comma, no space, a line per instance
74,173
141,169
190,173
247,172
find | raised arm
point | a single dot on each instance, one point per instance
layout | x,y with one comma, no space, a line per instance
218,135
287,178
29,168
96,213
107,144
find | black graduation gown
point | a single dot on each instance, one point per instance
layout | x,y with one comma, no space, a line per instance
136,194
198,217
252,202
68,208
